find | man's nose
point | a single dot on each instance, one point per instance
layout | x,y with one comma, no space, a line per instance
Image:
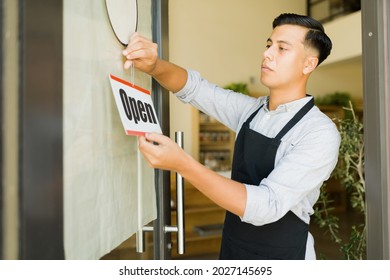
268,53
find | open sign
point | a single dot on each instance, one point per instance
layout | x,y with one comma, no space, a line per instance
135,107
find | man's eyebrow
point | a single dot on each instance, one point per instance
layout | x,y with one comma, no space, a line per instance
269,40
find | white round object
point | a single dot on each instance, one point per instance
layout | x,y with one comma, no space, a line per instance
123,15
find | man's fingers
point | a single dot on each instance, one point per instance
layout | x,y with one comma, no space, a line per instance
127,50
155,137
160,151
143,143
141,53
137,42
148,142
150,150
127,64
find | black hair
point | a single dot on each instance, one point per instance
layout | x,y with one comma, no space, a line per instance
315,37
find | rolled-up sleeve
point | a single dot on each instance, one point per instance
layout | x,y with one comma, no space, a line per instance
191,88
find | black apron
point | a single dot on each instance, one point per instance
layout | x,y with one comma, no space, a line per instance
253,160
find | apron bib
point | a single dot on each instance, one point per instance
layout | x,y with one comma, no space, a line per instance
253,160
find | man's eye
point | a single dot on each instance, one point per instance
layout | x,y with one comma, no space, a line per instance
267,46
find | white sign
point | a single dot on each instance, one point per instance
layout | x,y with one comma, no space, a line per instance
135,107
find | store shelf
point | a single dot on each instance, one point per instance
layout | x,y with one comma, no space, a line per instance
216,143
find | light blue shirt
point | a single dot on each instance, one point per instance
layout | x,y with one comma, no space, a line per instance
305,158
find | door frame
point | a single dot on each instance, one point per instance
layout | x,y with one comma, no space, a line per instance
376,98
1,127
161,240
41,130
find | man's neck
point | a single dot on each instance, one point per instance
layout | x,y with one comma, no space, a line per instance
279,97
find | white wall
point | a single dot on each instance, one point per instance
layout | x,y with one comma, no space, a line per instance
346,36
344,76
342,70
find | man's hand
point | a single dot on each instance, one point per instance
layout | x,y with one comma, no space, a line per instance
161,152
142,53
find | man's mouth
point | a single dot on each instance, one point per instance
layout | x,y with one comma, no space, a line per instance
265,68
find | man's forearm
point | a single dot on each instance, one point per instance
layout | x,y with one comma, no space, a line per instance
228,194
169,75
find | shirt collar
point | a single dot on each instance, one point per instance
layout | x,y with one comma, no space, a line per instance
290,106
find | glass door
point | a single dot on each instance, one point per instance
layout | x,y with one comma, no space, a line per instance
155,240
78,170
101,170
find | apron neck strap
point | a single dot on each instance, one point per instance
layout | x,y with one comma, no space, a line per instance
298,116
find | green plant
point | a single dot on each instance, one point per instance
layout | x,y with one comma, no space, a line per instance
238,87
350,172
336,98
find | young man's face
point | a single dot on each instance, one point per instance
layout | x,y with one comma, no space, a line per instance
285,57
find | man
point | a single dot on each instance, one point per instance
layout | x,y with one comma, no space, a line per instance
285,147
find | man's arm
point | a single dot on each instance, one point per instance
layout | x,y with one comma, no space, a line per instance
142,53
228,194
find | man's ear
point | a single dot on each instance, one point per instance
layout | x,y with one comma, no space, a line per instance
310,64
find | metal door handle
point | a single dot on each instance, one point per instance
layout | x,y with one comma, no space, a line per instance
140,236
180,202
180,225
